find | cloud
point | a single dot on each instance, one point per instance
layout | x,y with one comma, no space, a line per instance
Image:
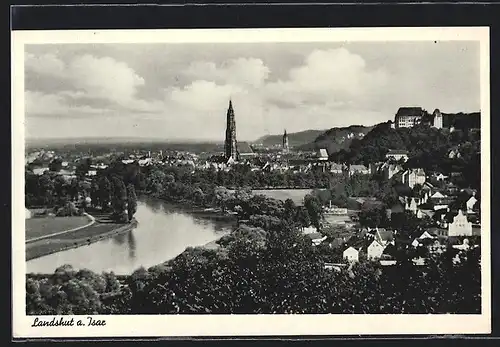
88,79
45,64
241,71
334,76
182,91
56,105
204,95
104,78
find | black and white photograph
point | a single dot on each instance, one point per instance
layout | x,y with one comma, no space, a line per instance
322,180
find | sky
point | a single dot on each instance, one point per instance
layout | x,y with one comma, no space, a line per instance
181,91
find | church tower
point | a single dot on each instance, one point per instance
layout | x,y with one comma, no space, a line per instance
285,142
230,145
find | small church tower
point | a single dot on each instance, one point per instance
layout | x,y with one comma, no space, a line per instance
285,142
438,119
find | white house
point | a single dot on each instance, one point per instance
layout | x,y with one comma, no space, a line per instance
336,168
27,214
375,250
322,154
412,205
413,177
470,203
460,225
360,169
351,254
440,177
438,195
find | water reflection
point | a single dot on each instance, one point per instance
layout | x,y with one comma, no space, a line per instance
119,239
131,245
162,233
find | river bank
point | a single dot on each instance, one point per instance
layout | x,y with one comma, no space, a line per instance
81,237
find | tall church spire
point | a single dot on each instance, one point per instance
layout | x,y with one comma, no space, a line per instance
230,145
285,142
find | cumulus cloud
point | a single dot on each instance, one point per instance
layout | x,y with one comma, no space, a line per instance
44,64
91,79
334,76
183,92
54,105
241,71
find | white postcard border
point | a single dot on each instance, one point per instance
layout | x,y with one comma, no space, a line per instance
245,325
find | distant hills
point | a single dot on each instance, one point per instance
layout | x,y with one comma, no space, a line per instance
294,139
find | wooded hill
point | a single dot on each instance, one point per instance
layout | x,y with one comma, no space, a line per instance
294,139
335,139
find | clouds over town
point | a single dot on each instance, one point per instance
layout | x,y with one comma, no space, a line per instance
182,91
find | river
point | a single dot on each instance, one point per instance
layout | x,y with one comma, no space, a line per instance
163,232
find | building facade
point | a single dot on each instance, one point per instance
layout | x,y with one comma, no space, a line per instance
407,117
231,145
413,177
460,225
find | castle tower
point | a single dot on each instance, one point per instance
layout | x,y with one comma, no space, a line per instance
230,145
285,142
438,119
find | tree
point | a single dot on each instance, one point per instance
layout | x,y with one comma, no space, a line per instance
105,191
131,201
373,214
119,201
314,209
55,165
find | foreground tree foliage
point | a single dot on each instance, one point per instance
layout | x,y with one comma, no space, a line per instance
257,271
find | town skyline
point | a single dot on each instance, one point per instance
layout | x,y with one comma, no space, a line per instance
182,92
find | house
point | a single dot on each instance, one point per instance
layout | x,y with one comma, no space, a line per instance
322,154
384,237
389,170
460,225
358,169
40,170
316,238
309,230
375,250
27,213
407,117
397,154
413,177
454,154
336,168
438,195
245,151
470,204
412,206
351,254
439,176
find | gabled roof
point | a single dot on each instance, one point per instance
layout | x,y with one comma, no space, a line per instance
244,148
382,235
358,167
323,153
409,111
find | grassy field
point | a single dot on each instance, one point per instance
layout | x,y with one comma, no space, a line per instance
93,233
36,227
297,195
